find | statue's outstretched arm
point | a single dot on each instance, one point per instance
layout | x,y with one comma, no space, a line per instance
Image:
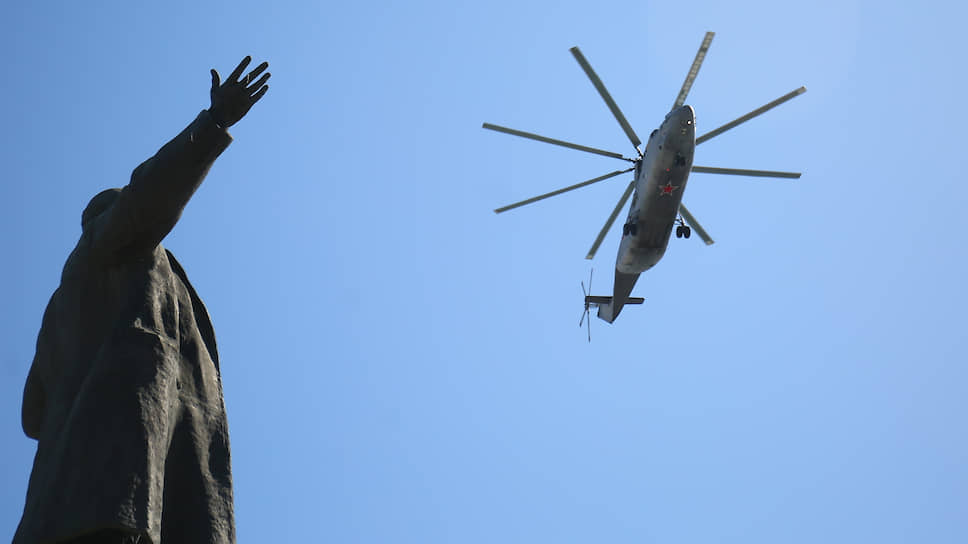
149,206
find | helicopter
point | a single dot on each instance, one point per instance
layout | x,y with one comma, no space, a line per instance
661,170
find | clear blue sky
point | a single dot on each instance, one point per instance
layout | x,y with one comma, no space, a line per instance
402,365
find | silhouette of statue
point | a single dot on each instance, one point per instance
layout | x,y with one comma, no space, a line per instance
124,395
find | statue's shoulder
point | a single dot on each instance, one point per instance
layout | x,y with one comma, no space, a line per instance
87,261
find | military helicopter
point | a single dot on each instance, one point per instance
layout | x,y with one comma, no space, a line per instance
660,174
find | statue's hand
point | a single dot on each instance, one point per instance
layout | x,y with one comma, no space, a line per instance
231,100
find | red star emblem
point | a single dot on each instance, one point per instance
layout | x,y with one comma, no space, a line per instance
667,188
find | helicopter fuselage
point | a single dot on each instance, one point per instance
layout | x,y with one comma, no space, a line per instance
660,180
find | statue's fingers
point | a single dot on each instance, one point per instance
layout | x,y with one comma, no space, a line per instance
234,76
259,94
255,72
255,86
215,80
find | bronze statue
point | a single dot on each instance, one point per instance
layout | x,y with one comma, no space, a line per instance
124,395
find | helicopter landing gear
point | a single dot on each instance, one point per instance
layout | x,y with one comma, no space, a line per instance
630,229
682,230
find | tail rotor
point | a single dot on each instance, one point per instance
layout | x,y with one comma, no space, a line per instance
586,313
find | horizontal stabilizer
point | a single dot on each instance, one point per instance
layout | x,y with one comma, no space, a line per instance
591,299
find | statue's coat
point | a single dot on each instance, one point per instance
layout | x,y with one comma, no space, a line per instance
124,395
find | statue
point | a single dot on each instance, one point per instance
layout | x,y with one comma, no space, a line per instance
124,395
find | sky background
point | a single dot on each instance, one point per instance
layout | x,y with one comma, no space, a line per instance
400,364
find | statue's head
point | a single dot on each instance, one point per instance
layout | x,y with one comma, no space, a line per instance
101,202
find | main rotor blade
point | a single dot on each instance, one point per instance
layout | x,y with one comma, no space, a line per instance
694,70
559,191
611,219
738,172
695,224
750,115
547,140
607,97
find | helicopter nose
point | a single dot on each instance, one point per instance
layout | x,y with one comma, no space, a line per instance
686,116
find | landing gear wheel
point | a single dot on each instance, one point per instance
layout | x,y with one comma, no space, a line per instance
625,229
633,229
679,231
686,231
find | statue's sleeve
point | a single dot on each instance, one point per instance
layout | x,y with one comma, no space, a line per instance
149,206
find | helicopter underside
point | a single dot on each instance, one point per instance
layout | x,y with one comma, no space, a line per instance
655,207
644,249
